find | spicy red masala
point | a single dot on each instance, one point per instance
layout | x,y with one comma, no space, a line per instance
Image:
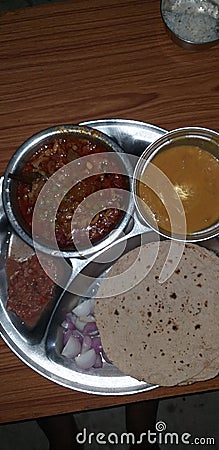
30,289
50,158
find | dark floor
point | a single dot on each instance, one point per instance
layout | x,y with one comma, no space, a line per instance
197,415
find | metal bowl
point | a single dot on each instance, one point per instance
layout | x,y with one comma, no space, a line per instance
202,138
22,155
192,24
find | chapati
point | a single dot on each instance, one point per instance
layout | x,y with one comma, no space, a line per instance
163,333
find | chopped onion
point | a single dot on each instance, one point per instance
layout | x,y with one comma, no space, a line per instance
96,344
82,321
64,324
79,325
70,317
90,327
98,363
83,309
81,339
86,344
66,335
72,348
86,360
77,335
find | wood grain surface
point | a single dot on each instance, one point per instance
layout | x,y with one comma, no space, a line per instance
25,394
83,60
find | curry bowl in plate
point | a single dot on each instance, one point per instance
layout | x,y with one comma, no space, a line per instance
66,191
176,184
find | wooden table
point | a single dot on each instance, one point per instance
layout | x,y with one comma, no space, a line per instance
82,60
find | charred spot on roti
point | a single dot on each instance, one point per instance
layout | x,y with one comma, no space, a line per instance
173,295
197,326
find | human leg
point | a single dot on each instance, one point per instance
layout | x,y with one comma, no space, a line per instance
61,431
141,417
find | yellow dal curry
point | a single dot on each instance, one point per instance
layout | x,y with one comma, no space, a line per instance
194,173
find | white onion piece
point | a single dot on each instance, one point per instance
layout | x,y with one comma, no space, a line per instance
86,319
77,335
70,320
86,344
66,335
79,325
83,309
86,360
64,324
72,348
82,321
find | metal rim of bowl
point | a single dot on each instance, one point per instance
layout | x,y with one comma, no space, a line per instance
147,157
186,43
41,138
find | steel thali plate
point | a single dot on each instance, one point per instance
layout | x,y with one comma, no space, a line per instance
40,349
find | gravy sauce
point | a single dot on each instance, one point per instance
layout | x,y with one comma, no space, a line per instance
194,173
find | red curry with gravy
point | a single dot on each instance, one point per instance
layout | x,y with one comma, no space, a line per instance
55,155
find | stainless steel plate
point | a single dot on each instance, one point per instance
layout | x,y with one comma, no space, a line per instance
40,349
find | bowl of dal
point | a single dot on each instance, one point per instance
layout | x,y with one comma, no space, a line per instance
176,184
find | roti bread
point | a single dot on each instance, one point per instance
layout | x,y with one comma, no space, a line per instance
164,333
